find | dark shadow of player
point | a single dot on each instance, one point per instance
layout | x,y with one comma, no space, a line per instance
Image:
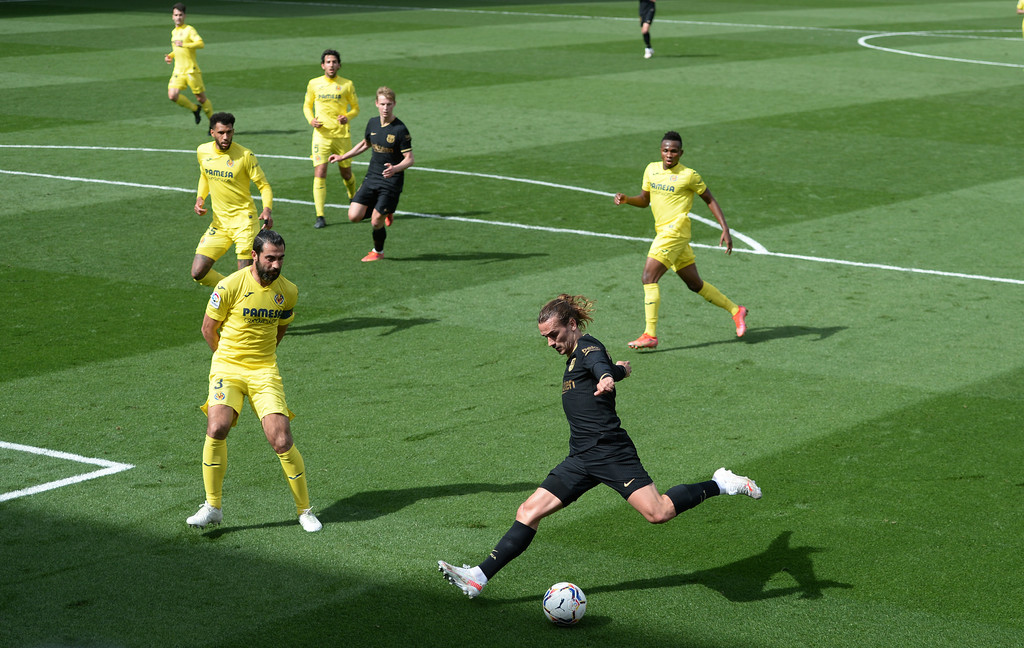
392,324
751,579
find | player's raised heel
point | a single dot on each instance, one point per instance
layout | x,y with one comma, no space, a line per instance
741,321
206,515
644,342
732,484
460,577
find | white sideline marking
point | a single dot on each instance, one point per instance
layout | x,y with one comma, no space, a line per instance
756,248
107,468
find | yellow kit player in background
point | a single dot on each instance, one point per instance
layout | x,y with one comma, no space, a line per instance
185,40
1020,10
248,315
225,171
668,188
331,103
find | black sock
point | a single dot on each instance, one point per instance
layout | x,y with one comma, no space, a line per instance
685,496
513,543
378,239
647,39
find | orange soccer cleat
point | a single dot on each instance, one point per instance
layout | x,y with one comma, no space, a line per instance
374,255
741,321
644,342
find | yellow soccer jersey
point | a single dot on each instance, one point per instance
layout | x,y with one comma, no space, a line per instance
327,99
672,196
225,175
185,56
250,314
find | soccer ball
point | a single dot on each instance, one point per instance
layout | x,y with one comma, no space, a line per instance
564,604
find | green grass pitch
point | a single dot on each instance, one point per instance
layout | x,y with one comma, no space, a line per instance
866,150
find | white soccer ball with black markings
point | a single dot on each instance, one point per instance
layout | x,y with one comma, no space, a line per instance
564,604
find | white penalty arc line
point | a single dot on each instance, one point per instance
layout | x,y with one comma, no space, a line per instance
740,236
106,468
757,248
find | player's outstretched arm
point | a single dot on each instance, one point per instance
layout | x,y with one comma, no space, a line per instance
643,199
354,151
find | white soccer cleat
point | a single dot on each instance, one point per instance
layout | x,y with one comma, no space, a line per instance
309,522
732,484
204,516
460,577
648,52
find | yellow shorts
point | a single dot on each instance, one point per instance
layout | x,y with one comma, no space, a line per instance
216,241
230,384
324,147
194,81
673,251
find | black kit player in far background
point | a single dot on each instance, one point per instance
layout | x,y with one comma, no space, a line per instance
385,177
646,18
600,451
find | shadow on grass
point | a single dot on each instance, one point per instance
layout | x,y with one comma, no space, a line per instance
370,505
765,334
393,324
747,580
484,257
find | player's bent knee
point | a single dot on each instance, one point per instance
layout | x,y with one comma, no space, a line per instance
660,517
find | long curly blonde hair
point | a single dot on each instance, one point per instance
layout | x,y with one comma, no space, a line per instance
566,307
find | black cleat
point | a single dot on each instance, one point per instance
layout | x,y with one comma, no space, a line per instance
196,113
320,223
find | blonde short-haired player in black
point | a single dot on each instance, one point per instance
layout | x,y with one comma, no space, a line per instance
185,40
668,188
330,105
245,320
385,176
600,451
225,170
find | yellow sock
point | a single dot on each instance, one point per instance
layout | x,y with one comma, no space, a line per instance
208,108
319,194
713,295
652,302
211,279
295,470
350,186
215,465
183,101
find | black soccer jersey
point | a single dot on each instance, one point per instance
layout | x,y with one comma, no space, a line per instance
590,417
389,145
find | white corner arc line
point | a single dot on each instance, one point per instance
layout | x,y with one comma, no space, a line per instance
106,468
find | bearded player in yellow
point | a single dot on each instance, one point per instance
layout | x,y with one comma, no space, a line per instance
331,103
225,171
185,40
668,188
248,315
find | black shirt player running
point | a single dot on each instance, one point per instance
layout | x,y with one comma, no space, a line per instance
600,451
385,177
